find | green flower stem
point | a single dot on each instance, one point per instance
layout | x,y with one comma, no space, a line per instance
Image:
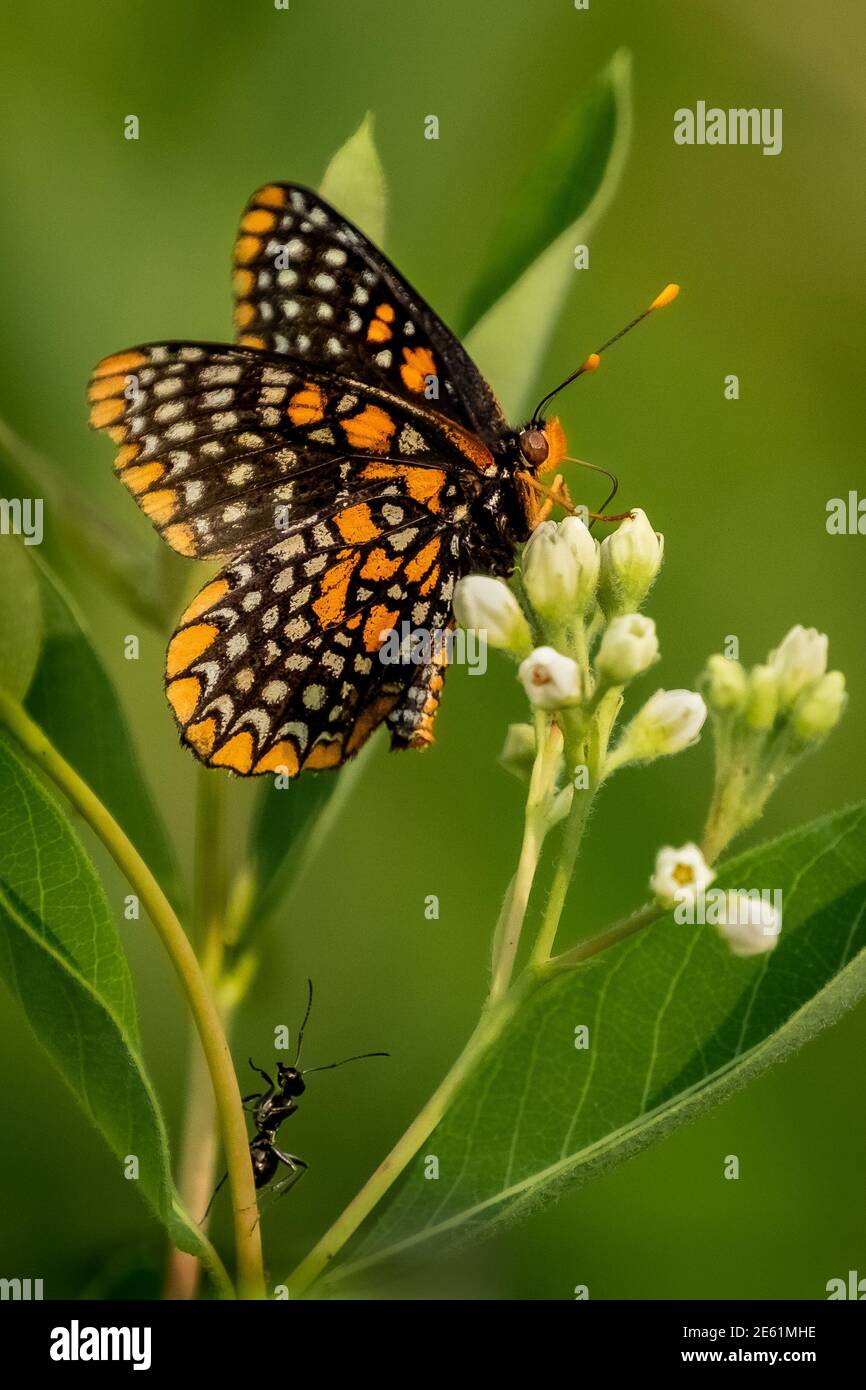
506,939
204,1010
571,840
609,937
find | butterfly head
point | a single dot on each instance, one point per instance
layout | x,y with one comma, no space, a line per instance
542,445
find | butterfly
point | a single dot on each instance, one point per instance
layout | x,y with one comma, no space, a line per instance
348,461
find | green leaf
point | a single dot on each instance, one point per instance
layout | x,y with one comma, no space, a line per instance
20,617
676,1024
74,701
516,304
62,958
354,182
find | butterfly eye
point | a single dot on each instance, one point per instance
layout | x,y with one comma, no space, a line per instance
534,446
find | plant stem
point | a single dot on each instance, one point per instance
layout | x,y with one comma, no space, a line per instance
618,932
205,1013
199,1139
490,1026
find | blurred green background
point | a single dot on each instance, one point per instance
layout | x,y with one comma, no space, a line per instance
105,242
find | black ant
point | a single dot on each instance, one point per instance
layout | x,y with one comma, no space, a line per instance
271,1107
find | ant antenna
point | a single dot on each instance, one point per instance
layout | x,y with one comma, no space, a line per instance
304,1024
358,1057
668,294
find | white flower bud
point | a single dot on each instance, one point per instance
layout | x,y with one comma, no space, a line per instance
726,684
490,606
669,721
799,661
518,751
819,710
629,647
630,560
560,567
762,698
680,874
550,679
748,925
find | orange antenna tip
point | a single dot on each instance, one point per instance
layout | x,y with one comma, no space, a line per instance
591,362
667,296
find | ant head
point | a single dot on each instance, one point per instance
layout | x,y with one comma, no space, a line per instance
291,1081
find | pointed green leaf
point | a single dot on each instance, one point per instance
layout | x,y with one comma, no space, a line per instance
354,182
20,617
676,1024
516,305
62,958
74,701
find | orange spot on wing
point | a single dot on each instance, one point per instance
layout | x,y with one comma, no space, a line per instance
160,506
183,696
210,594
422,561
379,565
244,314
141,477
242,282
380,621
118,434
236,754
181,538
106,412
126,455
281,758
246,249
330,606
119,363
272,196
251,341
100,387
418,363
356,524
258,220
325,755
201,736
186,645
431,580
371,428
307,406
424,484
378,332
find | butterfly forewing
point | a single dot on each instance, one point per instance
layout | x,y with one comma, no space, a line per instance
309,284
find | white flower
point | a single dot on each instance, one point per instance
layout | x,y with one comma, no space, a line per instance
629,647
560,567
726,683
680,874
669,721
550,679
630,560
490,606
798,661
748,925
819,710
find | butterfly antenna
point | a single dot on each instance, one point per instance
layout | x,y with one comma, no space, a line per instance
358,1057
667,296
304,1024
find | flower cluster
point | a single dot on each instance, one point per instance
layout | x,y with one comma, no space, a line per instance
573,625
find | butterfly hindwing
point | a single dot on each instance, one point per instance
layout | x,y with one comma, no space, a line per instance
278,665
309,284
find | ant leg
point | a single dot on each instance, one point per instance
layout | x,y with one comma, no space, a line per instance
213,1195
297,1168
271,1084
